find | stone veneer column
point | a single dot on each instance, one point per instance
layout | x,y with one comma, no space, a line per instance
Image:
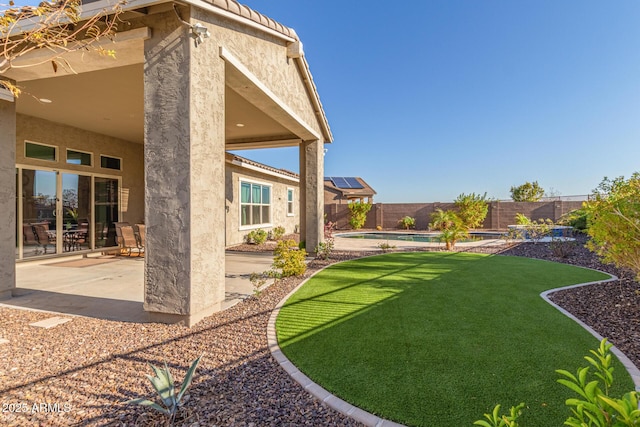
7,198
311,193
184,175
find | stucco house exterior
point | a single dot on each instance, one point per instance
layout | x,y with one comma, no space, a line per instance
143,139
278,205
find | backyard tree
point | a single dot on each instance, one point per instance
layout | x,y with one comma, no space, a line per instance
527,192
54,27
472,209
442,220
358,214
451,226
613,218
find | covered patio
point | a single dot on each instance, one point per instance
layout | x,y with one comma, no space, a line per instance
110,287
151,129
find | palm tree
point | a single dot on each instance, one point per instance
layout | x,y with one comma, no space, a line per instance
451,235
443,220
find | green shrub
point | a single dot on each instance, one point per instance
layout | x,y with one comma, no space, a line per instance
577,219
358,214
614,222
277,232
164,386
288,259
386,247
441,220
472,209
497,420
407,222
257,237
522,219
258,280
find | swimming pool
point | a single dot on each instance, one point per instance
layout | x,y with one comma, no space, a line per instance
419,237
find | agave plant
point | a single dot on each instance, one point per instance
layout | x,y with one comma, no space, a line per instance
164,385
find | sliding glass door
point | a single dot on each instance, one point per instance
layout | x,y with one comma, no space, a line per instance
107,208
63,212
39,216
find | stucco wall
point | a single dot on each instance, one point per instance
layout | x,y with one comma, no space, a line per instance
265,56
7,199
234,174
37,130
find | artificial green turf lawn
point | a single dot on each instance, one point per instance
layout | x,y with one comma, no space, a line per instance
437,339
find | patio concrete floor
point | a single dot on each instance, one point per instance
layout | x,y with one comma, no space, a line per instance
109,287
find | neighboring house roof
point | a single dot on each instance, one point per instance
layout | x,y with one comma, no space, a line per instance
260,167
349,187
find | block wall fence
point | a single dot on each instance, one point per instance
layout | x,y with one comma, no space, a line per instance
499,216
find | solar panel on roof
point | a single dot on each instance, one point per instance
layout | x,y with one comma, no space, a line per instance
353,182
340,182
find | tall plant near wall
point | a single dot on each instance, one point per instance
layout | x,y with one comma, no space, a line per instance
472,209
358,214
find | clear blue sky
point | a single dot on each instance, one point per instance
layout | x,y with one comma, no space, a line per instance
430,99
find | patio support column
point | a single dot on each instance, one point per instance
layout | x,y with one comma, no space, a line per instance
7,198
311,193
184,175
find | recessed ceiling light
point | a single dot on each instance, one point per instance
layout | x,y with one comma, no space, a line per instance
240,125
45,100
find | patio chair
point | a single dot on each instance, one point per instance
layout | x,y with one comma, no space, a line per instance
142,233
118,226
42,234
129,241
82,235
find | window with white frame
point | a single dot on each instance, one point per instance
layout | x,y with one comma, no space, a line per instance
255,204
289,201
37,151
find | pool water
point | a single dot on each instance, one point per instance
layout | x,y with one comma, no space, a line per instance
419,237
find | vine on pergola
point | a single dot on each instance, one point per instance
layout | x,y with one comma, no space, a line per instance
57,27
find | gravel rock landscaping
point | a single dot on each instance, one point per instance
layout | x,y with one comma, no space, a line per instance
86,368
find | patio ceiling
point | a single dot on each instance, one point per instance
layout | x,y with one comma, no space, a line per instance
106,96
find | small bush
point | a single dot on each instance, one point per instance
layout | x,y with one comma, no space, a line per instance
576,218
324,249
277,232
257,237
386,247
288,260
562,247
258,280
407,222
358,214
